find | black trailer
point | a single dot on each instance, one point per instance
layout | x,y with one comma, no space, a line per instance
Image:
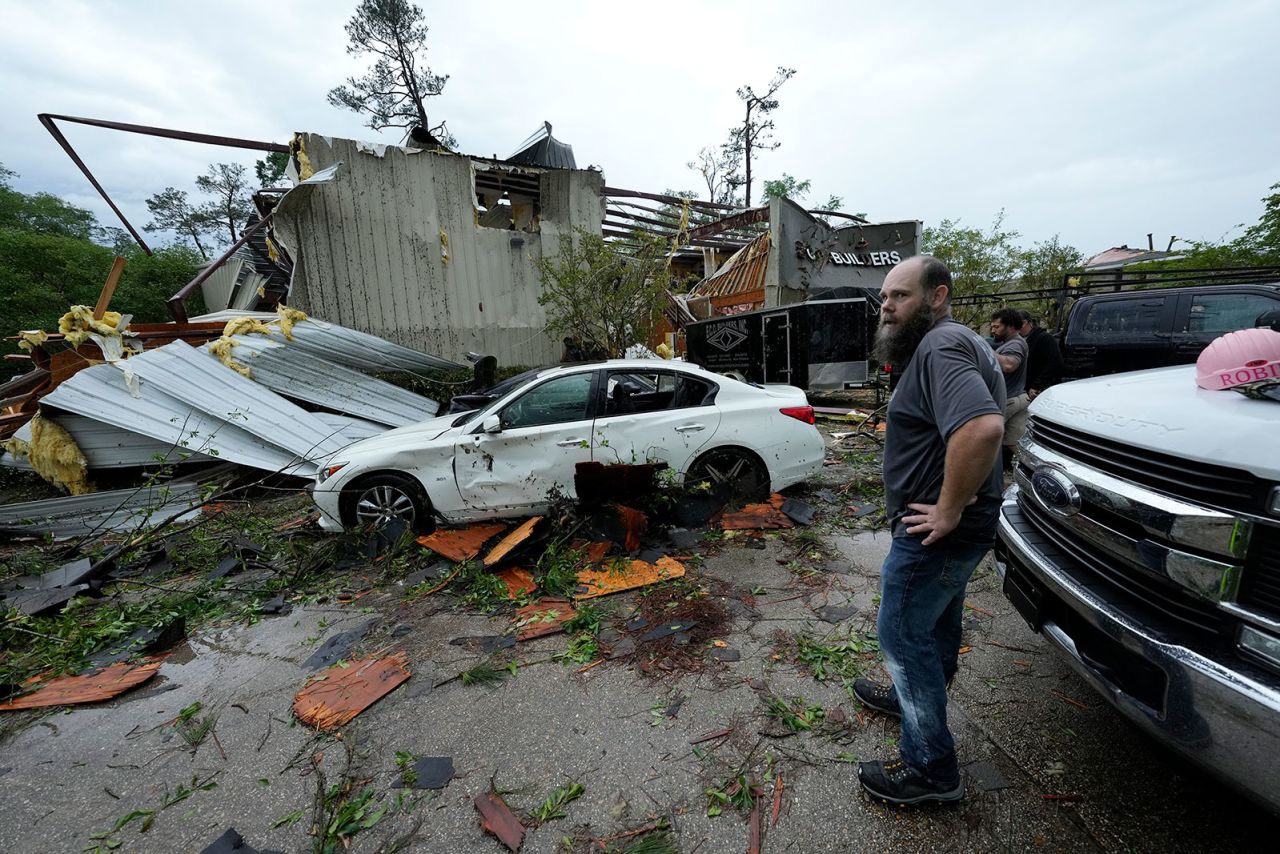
819,344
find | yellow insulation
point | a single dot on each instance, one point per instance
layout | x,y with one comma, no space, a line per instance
56,457
299,149
287,318
221,350
78,324
29,339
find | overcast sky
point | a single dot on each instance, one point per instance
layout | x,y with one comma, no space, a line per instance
1097,121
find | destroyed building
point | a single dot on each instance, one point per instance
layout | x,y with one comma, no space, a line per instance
434,250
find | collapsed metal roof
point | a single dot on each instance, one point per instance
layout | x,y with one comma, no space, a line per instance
298,374
187,399
114,510
543,149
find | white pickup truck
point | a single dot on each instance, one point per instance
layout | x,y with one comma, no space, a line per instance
1142,537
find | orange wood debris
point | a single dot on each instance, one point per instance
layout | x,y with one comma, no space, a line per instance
777,500
105,684
497,818
519,581
634,524
460,543
543,618
334,696
626,574
755,517
592,553
511,541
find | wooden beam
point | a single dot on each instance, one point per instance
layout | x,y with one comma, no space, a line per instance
109,289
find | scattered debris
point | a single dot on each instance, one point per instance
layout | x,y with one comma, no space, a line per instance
757,517
432,772
143,640
626,575
597,484
233,843
497,818
519,582
459,544
835,613
511,542
338,646
798,511
332,698
553,807
543,618
91,687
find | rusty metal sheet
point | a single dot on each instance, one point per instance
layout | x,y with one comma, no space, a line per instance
755,517
333,697
626,575
87,688
519,581
498,819
543,618
460,544
511,541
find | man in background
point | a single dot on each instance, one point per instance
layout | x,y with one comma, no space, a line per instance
1011,352
1044,359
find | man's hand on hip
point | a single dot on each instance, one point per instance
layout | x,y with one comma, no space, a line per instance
932,521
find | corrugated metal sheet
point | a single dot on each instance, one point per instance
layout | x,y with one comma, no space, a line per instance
121,510
391,246
743,273
351,429
360,350
297,373
107,446
189,400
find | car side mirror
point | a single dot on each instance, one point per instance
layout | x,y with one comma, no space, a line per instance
492,424
1270,319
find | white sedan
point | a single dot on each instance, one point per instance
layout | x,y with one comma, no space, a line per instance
505,459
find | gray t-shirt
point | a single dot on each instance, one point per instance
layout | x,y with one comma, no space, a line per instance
952,378
1015,383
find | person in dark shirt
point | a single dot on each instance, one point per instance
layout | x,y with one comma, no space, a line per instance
942,483
1044,361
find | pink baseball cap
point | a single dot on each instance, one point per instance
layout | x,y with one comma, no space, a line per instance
1247,356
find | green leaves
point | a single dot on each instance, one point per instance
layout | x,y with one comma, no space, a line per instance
553,806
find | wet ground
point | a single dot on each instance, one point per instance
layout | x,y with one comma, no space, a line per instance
1050,767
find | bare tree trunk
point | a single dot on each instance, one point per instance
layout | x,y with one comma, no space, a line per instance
746,143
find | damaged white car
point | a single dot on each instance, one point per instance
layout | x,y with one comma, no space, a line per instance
507,457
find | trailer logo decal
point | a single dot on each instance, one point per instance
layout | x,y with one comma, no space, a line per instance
728,335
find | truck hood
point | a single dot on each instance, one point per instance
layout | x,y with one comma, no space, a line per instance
1164,410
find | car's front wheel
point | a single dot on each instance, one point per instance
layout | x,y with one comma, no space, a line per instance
381,498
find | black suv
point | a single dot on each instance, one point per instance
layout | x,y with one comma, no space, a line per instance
1138,329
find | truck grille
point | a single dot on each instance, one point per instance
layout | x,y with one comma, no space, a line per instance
1260,583
1138,586
1200,483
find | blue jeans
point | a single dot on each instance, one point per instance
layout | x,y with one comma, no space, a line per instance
921,607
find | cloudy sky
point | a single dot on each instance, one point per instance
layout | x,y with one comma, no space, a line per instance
1097,121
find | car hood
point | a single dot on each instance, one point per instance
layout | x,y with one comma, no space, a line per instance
1164,410
401,437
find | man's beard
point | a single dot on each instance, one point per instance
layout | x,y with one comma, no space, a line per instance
895,345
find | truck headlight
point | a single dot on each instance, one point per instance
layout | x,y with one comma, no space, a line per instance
1261,644
329,471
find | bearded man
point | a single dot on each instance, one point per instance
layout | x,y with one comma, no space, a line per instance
942,483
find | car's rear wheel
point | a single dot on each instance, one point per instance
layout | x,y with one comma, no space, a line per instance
381,498
736,471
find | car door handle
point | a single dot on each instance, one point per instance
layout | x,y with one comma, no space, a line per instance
571,443
690,428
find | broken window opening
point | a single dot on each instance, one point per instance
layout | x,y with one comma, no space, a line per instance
508,200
